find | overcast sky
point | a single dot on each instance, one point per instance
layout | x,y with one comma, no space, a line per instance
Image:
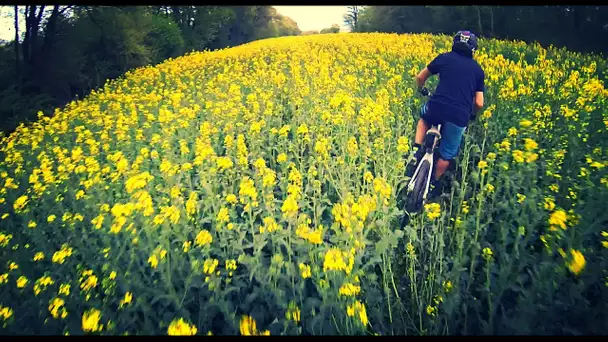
315,17
308,18
7,23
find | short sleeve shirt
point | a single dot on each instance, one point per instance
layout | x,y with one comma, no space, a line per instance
460,77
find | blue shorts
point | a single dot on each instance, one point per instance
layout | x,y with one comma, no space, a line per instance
451,134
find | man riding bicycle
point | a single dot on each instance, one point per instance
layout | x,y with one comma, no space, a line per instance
457,99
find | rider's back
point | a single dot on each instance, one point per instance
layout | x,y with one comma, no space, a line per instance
460,77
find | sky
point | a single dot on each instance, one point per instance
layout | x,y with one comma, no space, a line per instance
308,18
315,17
7,23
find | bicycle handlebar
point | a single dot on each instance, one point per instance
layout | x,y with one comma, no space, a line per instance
425,92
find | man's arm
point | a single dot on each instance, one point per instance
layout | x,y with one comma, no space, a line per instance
422,77
478,101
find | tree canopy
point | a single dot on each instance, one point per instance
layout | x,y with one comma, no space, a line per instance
578,28
63,52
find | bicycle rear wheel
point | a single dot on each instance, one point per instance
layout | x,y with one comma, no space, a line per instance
414,203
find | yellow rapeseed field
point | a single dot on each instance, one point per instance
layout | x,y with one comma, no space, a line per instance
252,191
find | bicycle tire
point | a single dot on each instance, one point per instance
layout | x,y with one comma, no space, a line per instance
415,199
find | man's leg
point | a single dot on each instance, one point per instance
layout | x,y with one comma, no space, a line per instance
448,149
421,130
441,167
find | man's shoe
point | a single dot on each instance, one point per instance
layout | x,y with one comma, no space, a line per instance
434,190
413,162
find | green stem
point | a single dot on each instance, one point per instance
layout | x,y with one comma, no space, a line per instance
474,246
393,280
490,312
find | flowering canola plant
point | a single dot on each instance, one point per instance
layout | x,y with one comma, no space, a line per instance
253,190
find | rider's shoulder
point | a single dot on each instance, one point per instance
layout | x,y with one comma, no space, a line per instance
478,66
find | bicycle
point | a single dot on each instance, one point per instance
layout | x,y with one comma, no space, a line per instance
418,186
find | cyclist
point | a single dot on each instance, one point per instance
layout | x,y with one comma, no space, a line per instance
457,99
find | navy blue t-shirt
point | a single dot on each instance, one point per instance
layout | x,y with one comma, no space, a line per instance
460,77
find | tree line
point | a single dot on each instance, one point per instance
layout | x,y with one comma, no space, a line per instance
578,28
63,52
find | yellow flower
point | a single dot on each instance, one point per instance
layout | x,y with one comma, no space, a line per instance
175,192
549,204
223,216
505,145
349,289
489,188
186,246
521,198
518,156
60,256
334,260
410,249
403,145
191,204
3,278
203,238
51,218
281,158
230,264
89,283
482,164
382,188
186,167
350,310
433,210
531,157
305,270
293,312
224,163
231,198
290,206
248,326
41,284
578,262
5,312
5,239
112,275
368,177
558,218
530,145
20,203
358,308
487,254
247,189
90,321
179,327
57,309
525,123
153,260
447,286
22,282
127,299
210,265
64,289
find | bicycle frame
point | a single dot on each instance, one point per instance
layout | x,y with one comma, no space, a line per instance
433,133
